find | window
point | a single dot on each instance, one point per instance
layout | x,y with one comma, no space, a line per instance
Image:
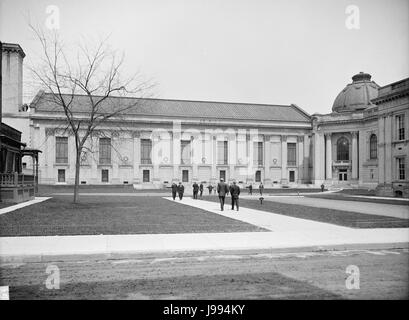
61,149
105,151
373,147
185,175
222,149
104,175
146,151
292,176
400,124
223,175
291,154
61,175
258,176
185,151
146,176
258,153
342,149
401,168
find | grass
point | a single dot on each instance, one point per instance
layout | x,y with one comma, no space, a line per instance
337,217
347,197
114,215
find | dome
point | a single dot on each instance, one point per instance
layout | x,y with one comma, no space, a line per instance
356,95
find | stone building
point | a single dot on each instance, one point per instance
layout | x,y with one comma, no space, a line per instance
363,142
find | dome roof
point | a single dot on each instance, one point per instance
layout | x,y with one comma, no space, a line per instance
356,95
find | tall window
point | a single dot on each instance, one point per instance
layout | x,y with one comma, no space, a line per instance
258,176
185,151
400,124
342,149
222,149
291,154
146,151
401,168
373,147
105,151
61,149
258,153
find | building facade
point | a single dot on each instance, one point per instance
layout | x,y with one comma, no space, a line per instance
363,142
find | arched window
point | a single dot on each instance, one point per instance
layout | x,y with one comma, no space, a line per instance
342,149
373,147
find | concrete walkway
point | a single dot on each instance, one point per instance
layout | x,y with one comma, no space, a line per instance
23,204
286,232
381,209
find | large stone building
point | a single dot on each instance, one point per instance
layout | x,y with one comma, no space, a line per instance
363,142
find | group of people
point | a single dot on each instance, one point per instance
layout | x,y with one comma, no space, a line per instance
223,189
260,188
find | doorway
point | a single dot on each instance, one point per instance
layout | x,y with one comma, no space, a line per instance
342,175
223,175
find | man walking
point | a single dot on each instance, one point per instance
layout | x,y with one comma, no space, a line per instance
174,190
210,187
235,192
250,189
181,190
201,189
195,190
261,188
222,190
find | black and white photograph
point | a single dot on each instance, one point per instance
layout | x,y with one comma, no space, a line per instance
204,154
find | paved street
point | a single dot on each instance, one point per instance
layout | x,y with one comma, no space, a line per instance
383,274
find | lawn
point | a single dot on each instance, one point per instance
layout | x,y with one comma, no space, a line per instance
114,215
337,217
342,196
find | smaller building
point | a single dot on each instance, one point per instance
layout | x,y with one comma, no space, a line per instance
393,150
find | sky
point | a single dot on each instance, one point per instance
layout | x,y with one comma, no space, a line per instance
263,51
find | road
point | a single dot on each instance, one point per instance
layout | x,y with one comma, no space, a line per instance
383,274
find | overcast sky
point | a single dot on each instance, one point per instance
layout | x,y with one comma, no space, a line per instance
264,51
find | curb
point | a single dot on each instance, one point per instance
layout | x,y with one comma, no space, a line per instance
98,256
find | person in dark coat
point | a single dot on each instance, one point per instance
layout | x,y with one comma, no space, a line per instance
235,192
195,190
322,188
222,190
181,190
261,188
201,189
174,190
250,189
210,187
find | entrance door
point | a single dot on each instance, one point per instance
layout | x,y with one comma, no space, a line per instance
185,175
223,175
146,176
292,176
342,175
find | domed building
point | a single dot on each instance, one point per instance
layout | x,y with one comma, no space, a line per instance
363,141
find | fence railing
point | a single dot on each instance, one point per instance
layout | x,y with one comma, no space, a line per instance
16,179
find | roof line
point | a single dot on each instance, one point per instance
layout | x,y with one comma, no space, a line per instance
181,100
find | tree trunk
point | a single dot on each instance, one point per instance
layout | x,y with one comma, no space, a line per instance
77,175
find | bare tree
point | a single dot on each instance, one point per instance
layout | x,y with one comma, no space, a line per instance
94,72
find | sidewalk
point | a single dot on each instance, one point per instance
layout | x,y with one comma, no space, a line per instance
286,232
397,211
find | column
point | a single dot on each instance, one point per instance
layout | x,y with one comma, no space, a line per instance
306,164
389,163
114,174
232,156
381,150
354,155
194,142
136,156
300,160
213,142
318,158
328,154
155,158
176,154
284,178
267,157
